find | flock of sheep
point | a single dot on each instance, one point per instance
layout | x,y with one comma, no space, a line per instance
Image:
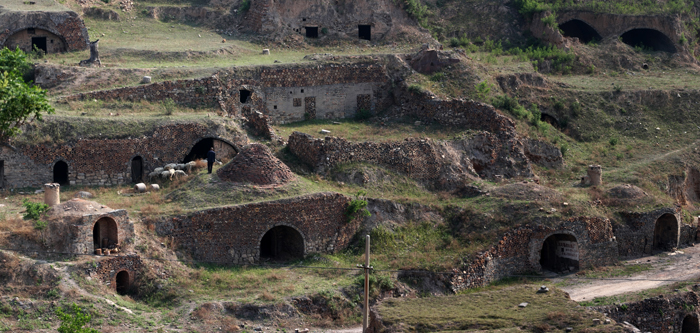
172,170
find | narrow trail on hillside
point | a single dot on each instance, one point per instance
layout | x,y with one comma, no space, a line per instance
667,268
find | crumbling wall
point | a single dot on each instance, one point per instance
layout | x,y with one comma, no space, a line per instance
67,25
662,314
105,161
233,234
433,163
107,268
518,251
635,233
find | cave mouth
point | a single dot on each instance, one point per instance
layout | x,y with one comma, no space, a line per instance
560,254
581,30
648,39
549,119
690,324
282,243
666,233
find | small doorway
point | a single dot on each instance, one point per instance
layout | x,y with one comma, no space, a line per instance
137,169
365,31
245,95
60,173
282,243
39,43
311,32
690,325
560,254
2,174
666,233
122,282
105,233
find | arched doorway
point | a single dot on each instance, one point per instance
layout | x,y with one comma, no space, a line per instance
282,243
649,39
581,30
666,233
199,150
560,253
105,233
137,169
690,325
30,38
122,282
60,173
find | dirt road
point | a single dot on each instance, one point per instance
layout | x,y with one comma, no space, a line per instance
668,268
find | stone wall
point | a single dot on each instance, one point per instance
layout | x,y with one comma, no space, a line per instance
74,234
232,235
23,40
107,268
435,164
67,25
662,314
327,91
106,161
519,251
635,233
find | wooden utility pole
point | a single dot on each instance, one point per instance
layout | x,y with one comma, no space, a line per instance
367,267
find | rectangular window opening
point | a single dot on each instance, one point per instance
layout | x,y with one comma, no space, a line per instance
245,95
364,31
311,32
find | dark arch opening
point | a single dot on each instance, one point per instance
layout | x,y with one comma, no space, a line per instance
581,30
690,325
549,119
666,233
364,31
60,173
201,148
282,243
648,39
105,233
122,282
311,32
245,95
560,253
136,169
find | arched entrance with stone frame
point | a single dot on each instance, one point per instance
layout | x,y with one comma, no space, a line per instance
105,233
282,243
666,233
559,253
223,149
122,282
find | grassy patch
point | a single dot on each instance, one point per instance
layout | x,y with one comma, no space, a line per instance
492,310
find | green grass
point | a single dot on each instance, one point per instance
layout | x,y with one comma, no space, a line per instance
490,311
23,5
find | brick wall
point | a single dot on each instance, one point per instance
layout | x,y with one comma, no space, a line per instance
233,234
107,161
67,25
662,314
107,268
635,234
519,251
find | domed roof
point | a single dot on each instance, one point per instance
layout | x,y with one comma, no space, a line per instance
77,207
626,191
256,165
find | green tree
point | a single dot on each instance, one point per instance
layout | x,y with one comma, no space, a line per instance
20,101
73,323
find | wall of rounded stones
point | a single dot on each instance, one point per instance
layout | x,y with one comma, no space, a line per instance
232,235
107,268
107,161
662,314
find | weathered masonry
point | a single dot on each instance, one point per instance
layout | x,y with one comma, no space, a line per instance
646,233
283,93
50,31
119,273
275,230
670,314
111,161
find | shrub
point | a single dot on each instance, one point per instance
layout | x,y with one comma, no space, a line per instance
324,30
564,149
483,89
415,88
34,209
73,323
613,141
617,88
437,77
357,207
576,107
244,6
550,20
505,102
168,106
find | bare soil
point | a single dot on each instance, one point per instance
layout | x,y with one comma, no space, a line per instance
668,268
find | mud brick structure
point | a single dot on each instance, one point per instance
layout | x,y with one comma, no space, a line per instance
645,233
528,248
118,272
251,233
109,161
80,226
328,91
52,31
662,314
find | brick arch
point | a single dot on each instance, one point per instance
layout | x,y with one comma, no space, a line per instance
658,39
209,137
536,245
122,281
53,169
105,227
262,235
35,26
666,235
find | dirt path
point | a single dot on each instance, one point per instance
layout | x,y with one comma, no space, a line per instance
667,268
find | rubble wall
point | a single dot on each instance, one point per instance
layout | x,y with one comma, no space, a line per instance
662,314
107,268
635,234
232,235
67,25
